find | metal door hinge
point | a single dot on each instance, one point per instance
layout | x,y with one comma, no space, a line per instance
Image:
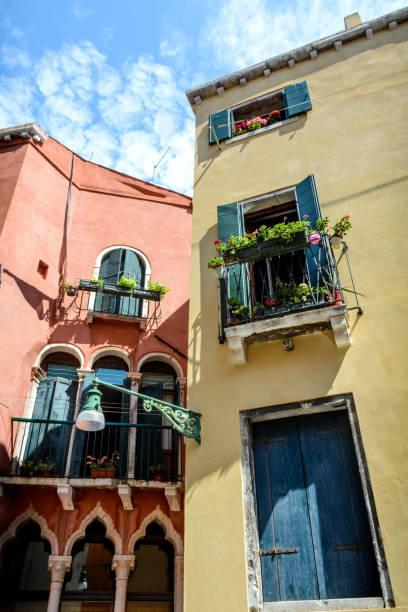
278,551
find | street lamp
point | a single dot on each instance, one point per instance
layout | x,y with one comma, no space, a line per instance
91,416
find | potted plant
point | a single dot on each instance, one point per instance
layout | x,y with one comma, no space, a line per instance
68,288
158,472
45,468
216,264
340,229
104,467
158,287
94,284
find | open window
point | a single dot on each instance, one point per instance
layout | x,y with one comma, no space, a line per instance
260,113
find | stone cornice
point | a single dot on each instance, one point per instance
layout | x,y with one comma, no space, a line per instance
290,58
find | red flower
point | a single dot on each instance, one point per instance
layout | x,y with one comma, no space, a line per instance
228,240
347,216
274,113
217,241
249,235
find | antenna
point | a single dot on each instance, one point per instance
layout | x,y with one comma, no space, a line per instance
162,157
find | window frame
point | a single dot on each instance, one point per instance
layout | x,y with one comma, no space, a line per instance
92,297
253,564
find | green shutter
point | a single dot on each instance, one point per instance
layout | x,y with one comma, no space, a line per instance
222,123
308,204
78,451
296,99
231,223
148,440
110,273
134,269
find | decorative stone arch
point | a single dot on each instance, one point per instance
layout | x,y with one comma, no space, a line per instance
60,347
175,539
166,358
110,350
164,521
142,257
172,361
30,514
111,533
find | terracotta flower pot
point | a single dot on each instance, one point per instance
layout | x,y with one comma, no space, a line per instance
158,477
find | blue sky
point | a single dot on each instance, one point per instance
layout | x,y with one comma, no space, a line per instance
107,79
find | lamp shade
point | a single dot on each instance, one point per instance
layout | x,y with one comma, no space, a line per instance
91,416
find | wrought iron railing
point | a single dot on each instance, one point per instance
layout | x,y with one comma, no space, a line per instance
56,448
260,284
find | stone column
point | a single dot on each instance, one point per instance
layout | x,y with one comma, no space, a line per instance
122,564
178,582
58,566
135,380
182,384
81,375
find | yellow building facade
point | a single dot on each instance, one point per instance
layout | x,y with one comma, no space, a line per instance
339,362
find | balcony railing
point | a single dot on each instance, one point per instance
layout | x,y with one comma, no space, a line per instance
55,448
269,295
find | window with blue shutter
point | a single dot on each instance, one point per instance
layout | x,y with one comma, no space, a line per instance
314,535
231,223
115,264
55,401
272,108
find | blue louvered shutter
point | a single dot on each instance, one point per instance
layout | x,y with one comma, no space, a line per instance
222,123
78,466
132,268
231,223
36,431
308,204
296,99
110,273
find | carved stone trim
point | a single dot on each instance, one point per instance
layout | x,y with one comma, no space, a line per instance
37,374
111,533
122,564
125,494
67,496
164,521
28,514
59,564
173,497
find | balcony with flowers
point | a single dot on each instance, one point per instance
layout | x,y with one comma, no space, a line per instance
279,282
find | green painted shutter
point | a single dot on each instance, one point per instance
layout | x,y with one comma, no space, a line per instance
308,204
42,409
78,450
296,99
231,223
133,268
222,123
110,273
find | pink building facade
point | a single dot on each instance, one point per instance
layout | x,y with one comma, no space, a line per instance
110,540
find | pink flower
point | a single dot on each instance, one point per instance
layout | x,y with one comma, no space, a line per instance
264,122
305,216
314,238
328,226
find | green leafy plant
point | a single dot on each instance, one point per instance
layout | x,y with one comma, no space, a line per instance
158,471
37,468
342,226
97,281
65,286
104,462
159,287
215,262
127,281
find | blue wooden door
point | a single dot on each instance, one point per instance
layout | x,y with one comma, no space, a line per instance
313,528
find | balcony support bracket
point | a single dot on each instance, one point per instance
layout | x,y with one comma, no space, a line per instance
173,497
67,495
125,494
340,331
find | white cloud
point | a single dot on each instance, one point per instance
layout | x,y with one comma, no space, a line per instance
13,57
245,32
80,12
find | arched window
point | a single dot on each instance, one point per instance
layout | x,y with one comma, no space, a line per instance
152,578
157,443
45,445
113,439
91,576
115,264
24,576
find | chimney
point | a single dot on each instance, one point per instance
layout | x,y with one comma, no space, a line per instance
352,21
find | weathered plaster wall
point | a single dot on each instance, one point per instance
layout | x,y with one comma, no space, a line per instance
107,208
354,141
